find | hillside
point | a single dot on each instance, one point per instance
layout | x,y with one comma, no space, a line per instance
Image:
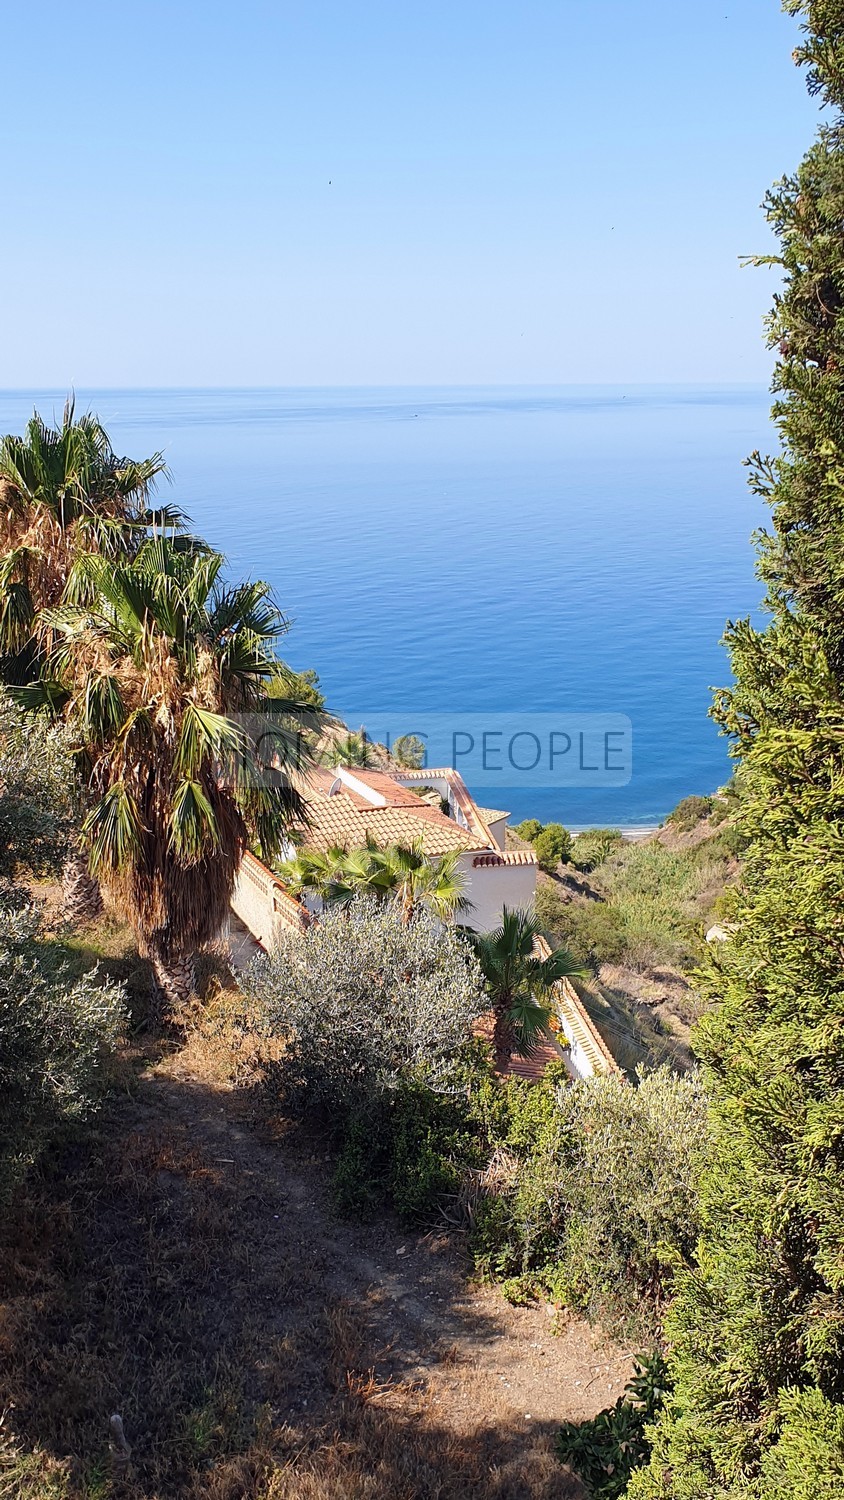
637,918
182,1263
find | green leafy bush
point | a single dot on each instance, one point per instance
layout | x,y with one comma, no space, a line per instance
37,790
377,1014
605,1450
529,829
688,813
590,848
594,1199
56,1033
552,846
412,1148
365,999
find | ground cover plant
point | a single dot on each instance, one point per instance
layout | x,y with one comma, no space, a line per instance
605,1450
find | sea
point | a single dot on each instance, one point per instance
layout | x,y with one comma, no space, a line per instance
548,551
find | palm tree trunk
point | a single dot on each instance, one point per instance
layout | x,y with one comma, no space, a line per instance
175,977
503,1037
81,899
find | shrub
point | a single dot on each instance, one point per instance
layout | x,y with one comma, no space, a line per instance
529,829
378,1016
606,1449
37,790
688,813
600,1204
594,931
363,1000
593,846
552,845
56,1032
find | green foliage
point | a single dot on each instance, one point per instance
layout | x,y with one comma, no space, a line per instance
413,1146
518,980
529,829
691,811
593,846
605,1450
593,931
56,1033
409,750
38,790
653,903
159,667
593,1199
552,842
757,1331
662,896
365,1000
298,687
553,846
66,496
399,873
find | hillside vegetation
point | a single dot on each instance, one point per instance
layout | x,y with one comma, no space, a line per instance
636,914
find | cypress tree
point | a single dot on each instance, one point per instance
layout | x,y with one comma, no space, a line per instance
757,1330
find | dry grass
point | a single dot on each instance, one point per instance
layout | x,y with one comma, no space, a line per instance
168,1266
136,1281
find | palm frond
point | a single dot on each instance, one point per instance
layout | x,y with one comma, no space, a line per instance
205,737
113,829
42,694
102,708
192,824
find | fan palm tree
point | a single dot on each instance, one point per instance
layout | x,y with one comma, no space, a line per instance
518,981
399,872
151,673
64,493
333,875
407,874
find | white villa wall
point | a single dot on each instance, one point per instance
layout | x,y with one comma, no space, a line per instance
498,829
492,887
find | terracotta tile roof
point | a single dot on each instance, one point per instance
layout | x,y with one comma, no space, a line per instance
530,1068
342,820
505,857
385,785
346,807
460,795
492,814
533,1068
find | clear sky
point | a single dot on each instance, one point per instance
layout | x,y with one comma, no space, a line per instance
281,192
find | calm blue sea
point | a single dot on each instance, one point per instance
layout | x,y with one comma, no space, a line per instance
489,549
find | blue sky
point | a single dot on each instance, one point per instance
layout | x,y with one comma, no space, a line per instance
381,191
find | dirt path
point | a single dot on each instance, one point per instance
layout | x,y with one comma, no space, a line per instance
183,1267
422,1321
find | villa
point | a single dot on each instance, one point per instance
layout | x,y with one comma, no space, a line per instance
346,807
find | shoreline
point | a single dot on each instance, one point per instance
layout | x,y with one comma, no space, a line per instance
631,833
